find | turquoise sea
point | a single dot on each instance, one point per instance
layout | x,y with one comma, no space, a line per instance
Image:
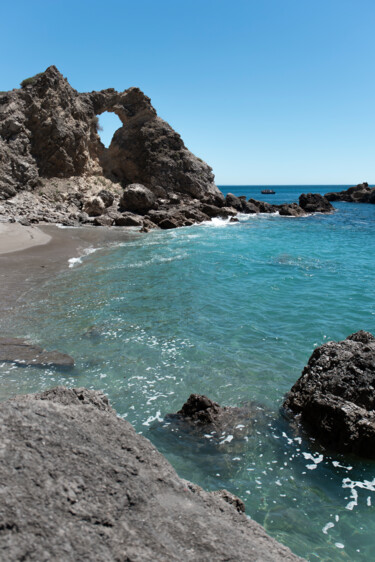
232,311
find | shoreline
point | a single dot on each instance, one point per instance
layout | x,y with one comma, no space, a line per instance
29,256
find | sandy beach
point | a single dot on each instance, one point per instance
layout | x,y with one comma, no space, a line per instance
30,255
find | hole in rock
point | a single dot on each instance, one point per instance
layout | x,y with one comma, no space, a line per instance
108,125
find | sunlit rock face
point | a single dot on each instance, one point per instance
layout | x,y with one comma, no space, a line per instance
48,130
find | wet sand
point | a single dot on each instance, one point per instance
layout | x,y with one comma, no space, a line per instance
29,256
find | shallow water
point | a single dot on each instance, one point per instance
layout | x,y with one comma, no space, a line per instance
232,311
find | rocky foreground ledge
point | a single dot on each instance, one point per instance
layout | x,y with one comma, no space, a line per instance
79,484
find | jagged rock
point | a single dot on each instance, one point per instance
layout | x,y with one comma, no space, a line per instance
49,130
291,210
94,207
334,398
233,201
249,208
79,484
129,219
202,415
21,352
315,203
360,193
103,220
262,206
138,199
107,197
213,211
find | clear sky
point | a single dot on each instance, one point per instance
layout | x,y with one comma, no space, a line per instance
266,91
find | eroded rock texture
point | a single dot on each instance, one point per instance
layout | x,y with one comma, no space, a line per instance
79,484
335,396
49,130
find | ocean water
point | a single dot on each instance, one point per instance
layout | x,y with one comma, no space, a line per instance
233,311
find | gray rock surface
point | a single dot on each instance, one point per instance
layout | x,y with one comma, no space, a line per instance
334,398
22,352
79,484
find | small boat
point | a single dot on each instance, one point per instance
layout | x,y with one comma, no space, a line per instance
268,191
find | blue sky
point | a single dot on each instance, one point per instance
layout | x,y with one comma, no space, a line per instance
266,91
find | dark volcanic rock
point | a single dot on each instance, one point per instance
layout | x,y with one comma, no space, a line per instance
291,210
360,193
21,352
315,203
203,415
262,206
79,484
335,396
233,201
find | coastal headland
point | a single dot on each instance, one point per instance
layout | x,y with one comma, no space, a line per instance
56,171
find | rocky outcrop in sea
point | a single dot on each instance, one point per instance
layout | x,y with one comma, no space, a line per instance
80,484
334,399
360,193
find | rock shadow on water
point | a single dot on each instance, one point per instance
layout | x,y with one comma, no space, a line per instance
23,353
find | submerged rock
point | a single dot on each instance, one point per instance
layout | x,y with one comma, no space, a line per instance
334,398
21,352
204,416
80,484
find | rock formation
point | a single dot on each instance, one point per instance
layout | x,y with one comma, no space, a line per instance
201,415
49,139
79,484
360,193
55,168
334,398
315,203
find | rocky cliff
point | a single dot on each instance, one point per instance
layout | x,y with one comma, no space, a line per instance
49,130
79,484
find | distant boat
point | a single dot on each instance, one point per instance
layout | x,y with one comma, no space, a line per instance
268,191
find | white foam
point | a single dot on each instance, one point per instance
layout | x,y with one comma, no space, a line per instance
227,439
74,261
153,418
327,527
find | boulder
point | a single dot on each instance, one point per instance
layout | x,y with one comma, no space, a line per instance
129,219
233,201
263,207
24,353
78,483
334,399
138,199
291,210
315,203
94,207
